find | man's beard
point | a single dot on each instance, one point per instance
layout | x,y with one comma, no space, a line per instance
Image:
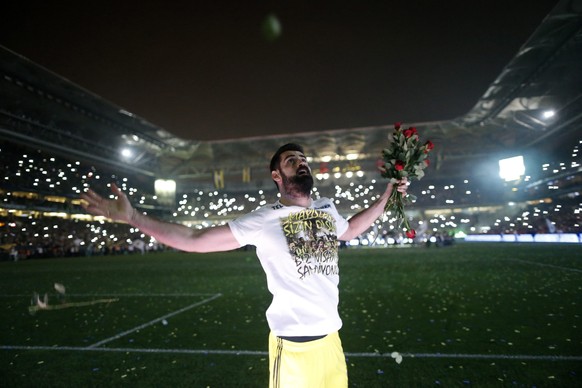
299,185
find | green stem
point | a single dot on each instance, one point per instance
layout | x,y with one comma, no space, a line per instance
396,204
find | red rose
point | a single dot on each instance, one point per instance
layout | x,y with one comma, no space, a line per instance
426,162
410,132
397,125
399,165
411,233
428,146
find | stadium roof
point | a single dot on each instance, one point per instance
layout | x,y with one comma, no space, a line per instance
533,106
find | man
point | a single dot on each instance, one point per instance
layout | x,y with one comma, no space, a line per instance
296,242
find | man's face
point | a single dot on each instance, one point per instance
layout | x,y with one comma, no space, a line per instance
295,173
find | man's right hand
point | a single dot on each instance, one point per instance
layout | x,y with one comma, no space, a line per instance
118,209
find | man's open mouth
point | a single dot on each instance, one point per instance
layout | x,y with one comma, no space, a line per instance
303,171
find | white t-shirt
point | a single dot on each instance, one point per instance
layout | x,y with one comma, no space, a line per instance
298,249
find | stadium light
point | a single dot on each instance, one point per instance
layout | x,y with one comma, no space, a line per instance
126,153
511,169
165,191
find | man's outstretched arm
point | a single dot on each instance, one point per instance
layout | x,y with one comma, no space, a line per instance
178,236
362,221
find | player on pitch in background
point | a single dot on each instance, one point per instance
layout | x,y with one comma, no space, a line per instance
296,240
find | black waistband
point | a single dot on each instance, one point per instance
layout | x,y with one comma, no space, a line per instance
304,339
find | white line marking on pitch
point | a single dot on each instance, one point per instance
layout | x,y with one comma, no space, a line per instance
472,356
122,295
117,336
547,265
264,353
147,295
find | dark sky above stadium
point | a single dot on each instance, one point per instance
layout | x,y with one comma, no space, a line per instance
206,70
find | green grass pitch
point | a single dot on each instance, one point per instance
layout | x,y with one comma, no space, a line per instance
479,315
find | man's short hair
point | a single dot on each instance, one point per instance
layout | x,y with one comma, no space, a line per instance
287,147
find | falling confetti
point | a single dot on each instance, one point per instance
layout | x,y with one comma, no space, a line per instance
60,288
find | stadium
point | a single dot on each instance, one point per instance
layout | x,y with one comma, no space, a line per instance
486,294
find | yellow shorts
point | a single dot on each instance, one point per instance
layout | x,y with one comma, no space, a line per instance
318,364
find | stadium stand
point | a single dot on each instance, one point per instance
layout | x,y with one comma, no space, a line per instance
40,214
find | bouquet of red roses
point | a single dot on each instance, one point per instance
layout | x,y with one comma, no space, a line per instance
406,157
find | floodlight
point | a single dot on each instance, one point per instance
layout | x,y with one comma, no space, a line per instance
165,191
511,169
126,153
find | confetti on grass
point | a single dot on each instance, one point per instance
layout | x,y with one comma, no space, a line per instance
397,357
38,304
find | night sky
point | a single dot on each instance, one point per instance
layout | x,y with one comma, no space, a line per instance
207,71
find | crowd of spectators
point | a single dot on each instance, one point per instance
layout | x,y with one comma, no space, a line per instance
40,216
27,237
